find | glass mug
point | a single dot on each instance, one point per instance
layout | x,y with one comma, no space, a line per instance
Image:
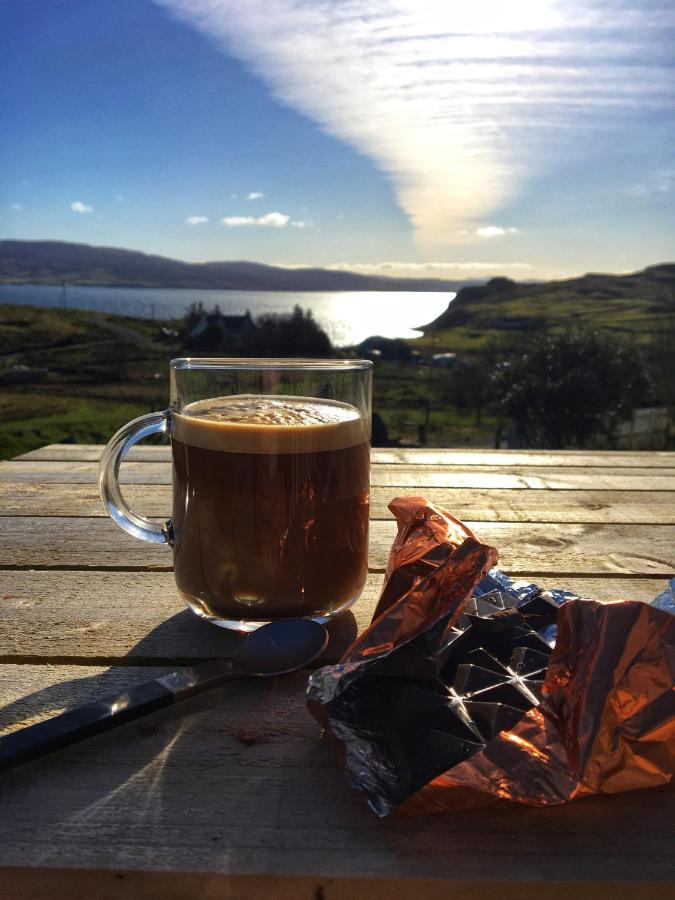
271,486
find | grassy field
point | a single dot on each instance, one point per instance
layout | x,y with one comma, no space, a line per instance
102,371
403,392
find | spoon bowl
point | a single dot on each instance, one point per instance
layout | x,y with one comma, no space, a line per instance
280,647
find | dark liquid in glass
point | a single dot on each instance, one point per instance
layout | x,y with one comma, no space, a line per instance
280,531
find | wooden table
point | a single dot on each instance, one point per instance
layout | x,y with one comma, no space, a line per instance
234,794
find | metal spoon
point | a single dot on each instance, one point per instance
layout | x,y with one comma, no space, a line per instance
273,649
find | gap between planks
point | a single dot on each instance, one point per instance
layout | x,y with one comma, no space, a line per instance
403,456
145,661
372,570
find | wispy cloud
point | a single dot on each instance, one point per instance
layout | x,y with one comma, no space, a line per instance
657,184
457,103
16,206
196,220
78,206
255,195
269,220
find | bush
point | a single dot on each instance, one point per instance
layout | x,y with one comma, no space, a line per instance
563,390
294,334
390,348
660,353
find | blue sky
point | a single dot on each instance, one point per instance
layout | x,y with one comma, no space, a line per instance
419,137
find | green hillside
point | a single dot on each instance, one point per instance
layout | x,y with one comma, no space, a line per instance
636,305
101,370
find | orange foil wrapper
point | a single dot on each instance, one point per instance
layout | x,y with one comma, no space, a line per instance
470,688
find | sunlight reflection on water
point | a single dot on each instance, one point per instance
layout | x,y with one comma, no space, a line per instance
347,316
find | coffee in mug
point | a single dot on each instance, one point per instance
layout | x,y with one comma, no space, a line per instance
270,506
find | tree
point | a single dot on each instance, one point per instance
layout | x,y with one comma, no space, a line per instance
289,334
564,389
468,385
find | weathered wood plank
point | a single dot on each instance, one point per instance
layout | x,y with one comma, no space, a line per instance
408,456
237,782
111,616
643,507
413,477
63,542
131,617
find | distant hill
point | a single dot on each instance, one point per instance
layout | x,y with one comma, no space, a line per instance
638,304
51,262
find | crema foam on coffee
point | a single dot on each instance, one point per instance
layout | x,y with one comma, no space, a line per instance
250,423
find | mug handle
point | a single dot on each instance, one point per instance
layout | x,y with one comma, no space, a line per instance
108,478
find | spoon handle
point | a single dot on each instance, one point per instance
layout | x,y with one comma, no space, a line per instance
93,718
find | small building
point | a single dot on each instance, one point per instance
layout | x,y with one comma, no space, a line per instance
237,326
231,326
443,360
23,375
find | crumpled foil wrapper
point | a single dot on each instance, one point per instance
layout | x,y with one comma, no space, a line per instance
471,688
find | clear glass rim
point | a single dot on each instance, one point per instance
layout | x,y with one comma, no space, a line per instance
194,363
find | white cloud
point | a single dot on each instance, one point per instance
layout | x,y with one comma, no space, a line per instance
298,223
255,195
460,271
431,266
196,220
273,220
494,231
16,206
79,207
238,221
457,103
269,220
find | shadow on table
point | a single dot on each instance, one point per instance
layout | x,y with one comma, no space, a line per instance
157,653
